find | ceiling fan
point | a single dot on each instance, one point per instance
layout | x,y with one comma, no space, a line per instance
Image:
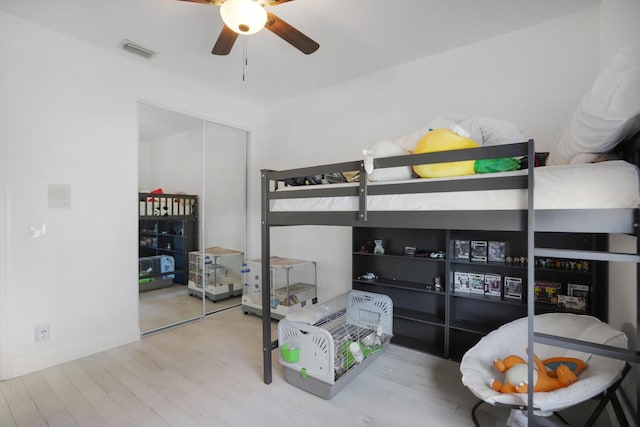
249,17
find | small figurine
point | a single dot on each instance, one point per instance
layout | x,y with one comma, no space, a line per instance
410,250
366,247
437,281
378,249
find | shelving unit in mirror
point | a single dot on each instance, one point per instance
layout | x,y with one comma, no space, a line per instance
167,227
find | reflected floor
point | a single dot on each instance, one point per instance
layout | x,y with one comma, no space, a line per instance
166,306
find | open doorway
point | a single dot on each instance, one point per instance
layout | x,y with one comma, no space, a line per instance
188,256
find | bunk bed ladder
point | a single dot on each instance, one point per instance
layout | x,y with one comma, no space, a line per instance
530,276
627,355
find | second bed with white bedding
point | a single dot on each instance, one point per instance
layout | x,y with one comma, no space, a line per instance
604,185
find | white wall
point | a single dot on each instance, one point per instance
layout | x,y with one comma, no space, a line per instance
68,116
619,28
175,163
533,77
4,218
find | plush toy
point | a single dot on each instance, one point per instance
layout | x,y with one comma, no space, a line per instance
550,374
444,140
457,138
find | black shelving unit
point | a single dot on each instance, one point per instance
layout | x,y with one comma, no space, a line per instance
447,323
168,225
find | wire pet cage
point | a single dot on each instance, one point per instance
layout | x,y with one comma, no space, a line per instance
151,272
324,346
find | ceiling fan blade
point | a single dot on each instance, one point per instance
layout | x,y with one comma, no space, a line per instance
289,34
211,2
225,41
199,1
276,2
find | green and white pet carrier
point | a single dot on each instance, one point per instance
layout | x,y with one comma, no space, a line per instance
324,346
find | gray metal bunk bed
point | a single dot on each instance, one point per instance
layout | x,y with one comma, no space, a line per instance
529,219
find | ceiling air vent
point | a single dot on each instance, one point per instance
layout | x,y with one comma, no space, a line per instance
132,47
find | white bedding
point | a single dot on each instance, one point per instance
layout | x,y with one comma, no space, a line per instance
605,185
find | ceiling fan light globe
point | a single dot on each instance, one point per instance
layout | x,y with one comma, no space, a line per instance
243,16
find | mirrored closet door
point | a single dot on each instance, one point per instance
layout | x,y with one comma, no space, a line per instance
192,182
224,214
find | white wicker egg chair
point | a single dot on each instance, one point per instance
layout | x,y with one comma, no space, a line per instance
600,379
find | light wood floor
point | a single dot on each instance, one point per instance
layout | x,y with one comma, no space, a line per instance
173,304
209,373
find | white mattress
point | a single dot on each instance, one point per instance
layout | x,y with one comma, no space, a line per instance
604,185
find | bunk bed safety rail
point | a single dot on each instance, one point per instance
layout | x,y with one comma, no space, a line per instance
364,189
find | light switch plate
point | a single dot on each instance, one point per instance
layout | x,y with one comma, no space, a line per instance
59,196
37,230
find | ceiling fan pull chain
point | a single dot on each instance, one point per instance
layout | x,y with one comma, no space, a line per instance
244,56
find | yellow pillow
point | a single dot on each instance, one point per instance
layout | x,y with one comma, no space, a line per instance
444,140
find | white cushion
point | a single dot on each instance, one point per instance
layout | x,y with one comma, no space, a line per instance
389,149
596,126
477,363
490,131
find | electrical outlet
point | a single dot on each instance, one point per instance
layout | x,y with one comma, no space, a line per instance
42,332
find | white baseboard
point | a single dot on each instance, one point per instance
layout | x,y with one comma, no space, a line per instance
55,356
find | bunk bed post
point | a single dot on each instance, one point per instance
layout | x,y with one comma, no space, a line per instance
266,277
362,194
636,225
530,276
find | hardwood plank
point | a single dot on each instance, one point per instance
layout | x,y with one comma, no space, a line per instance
160,400
6,419
47,401
142,414
22,407
109,410
134,407
78,406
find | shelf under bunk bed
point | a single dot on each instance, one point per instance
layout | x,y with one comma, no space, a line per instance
367,205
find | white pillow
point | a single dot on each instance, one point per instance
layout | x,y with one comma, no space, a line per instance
597,124
389,149
490,131
483,130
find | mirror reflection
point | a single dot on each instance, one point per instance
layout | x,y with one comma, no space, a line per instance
192,208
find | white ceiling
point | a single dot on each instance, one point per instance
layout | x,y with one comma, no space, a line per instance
356,37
